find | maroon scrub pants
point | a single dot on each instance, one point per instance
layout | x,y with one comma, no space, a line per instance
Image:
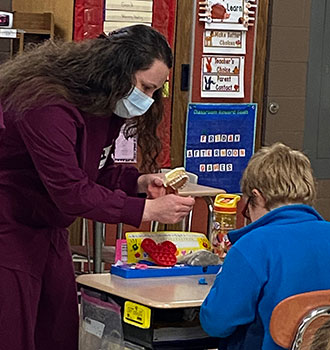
40,313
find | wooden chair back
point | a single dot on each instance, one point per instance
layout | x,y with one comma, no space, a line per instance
301,321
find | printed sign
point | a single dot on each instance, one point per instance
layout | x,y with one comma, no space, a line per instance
222,76
128,16
110,26
219,143
8,33
227,14
137,315
129,5
122,13
224,41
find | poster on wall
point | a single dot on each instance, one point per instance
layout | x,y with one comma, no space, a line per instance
227,14
224,42
219,142
122,13
222,76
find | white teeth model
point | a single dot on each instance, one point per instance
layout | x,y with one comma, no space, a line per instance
176,178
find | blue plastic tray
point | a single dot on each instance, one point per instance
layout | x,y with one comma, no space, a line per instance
129,272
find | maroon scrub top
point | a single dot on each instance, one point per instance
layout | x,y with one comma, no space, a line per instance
51,172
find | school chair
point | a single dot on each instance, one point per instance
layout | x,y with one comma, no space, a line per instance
84,253
302,321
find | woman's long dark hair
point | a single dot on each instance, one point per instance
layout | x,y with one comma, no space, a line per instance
91,75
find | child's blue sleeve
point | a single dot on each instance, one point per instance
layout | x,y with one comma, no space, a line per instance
232,300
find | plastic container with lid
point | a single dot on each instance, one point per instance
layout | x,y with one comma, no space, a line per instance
224,220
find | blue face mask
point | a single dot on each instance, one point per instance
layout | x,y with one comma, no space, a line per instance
135,104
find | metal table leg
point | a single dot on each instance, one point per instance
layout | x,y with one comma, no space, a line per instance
120,231
98,229
209,202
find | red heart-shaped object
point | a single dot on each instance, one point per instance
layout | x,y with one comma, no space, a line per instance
162,254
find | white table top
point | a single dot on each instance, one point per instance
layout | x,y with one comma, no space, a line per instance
161,292
197,190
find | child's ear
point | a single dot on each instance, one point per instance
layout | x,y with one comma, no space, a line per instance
258,198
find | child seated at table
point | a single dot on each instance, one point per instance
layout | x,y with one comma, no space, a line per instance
284,251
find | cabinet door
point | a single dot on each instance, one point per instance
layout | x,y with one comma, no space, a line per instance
317,124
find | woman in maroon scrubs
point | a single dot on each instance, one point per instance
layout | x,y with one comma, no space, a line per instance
62,107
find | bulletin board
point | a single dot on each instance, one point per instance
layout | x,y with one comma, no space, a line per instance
164,12
219,142
229,37
221,118
88,19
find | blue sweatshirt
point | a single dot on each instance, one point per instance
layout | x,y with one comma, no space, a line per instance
285,252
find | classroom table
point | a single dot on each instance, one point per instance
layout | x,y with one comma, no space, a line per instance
194,190
170,298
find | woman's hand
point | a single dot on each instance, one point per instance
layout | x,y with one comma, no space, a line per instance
152,185
168,209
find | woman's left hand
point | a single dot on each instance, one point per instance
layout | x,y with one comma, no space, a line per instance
152,185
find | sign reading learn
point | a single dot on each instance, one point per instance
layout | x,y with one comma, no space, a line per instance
219,142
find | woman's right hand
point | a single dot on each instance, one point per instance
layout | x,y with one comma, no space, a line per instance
168,209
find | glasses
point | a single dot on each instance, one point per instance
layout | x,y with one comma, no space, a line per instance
245,211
